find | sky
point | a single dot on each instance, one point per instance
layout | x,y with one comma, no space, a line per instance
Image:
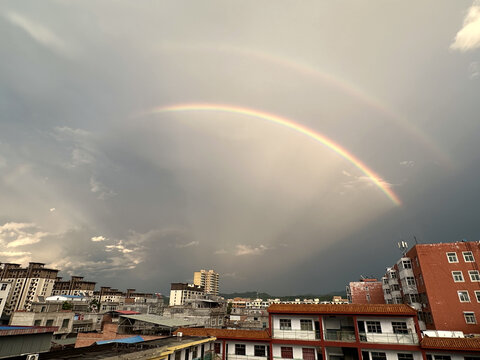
287,145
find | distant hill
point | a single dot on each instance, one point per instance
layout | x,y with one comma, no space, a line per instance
264,296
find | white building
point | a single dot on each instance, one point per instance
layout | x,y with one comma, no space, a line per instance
4,291
181,292
209,280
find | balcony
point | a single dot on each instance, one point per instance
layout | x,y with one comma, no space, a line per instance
389,338
339,335
296,334
245,357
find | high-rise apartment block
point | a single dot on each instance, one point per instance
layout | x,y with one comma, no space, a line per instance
27,284
442,282
75,286
208,280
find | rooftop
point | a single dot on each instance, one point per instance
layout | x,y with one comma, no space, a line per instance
159,320
464,344
24,330
359,309
225,333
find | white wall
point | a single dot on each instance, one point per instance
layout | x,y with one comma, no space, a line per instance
392,354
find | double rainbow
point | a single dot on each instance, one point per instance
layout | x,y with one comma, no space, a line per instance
377,180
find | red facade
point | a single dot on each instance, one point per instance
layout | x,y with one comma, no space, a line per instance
366,291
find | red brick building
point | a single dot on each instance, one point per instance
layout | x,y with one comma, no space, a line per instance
442,282
365,291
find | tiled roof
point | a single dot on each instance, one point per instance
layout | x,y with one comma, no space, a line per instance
225,333
351,309
465,344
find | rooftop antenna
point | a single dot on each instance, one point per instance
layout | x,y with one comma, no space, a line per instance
403,246
415,238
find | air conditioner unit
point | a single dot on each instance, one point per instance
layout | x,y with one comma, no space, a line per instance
32,357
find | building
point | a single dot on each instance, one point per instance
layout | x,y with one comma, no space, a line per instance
4,291
442,282
23,340
180,292
365,291
27,284
208,280
338,332
75,286
62,320
209,311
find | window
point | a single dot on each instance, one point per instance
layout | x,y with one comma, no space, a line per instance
442,357
457,276
388,291
37,322
286,352
470,318
65,323
378,355
216,348
403,356
474,275
374,327
195,352
285,324
385,281
393,274
308,353
49,322
452,257
410,281
415,298
399,327
395,287
4,287
406,264
306,325
468,256
240,349
477,295
463,296
259,350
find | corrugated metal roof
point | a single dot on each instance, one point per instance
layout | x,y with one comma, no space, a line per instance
160,320
465,344
350,309
126,312
129,340
225,333
20,330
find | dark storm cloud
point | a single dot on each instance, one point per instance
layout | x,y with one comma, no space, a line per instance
91,186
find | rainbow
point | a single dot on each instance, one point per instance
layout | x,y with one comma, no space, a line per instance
299,128
333,81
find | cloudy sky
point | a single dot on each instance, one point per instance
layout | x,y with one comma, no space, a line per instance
303,141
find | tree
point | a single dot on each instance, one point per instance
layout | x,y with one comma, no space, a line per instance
67,306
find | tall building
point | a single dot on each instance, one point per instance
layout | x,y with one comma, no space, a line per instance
27,284
365,291
208,280
442,282
181,292
75,286
4,291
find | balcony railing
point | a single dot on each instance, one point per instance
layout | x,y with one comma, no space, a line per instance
339,335
245,357
296,334
389,338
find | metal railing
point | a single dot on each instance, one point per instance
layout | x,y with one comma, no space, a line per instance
339,335
245,357
390,338
296,334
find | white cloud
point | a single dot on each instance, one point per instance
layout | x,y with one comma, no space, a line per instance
52,209
41,34
220,252
103,191
14,253
407,163
14,234
468,38
250,250
191,243
98,238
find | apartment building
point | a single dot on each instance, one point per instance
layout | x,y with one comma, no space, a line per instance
27,284
75,286
208,280
4,291
338,332
181,292
442,282
365,291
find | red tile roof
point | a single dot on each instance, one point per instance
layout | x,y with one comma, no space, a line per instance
464,344
226,333
351,309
